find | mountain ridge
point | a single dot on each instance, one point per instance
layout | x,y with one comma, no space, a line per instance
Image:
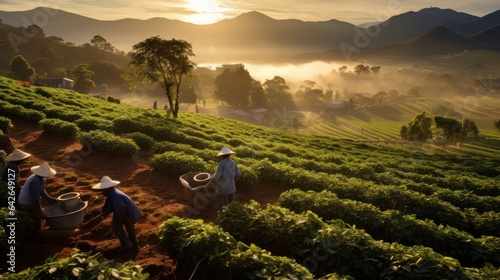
249,36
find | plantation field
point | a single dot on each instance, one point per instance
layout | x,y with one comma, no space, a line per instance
330,202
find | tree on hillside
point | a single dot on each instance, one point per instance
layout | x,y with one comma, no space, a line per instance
100,43
21,69
277,93
81,75
234,87
418,129
451,129
468,126
164,62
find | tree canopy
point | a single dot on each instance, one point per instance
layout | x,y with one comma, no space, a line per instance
164,62
81,74
234,87
21,69
418,129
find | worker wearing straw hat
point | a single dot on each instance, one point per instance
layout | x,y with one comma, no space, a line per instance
125,212
12,169
227,171
33,190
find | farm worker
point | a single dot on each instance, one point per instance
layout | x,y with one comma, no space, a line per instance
155,105
33,190
227,171
11,170
125,212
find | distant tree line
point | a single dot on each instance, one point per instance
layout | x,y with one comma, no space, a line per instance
452,131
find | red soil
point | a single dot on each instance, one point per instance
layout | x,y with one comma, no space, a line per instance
158,196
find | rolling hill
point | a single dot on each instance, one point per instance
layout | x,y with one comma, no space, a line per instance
251,36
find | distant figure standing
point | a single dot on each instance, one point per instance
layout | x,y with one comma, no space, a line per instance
125,213
155,105
227,171
196,108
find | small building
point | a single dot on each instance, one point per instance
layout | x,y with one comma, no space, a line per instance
55,82
337,105
258,114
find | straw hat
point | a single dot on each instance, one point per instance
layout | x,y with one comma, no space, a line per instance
43,170
2,153
105,183
225,151
17,155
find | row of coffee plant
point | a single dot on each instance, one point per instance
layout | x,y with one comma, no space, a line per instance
206,249
336,247
80,265
384,197
392,226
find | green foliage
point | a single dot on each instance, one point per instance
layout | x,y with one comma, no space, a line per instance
113,99
60,127
418,129
5,125
333,248
18,111
450,127
234,87
89,123
164,62
108,142
145,142
249,178
176,163
192,241
392,226
81,265
21,68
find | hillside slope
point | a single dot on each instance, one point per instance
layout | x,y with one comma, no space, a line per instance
429,187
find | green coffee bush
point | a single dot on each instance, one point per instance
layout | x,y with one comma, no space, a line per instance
5,124
60,127
108,142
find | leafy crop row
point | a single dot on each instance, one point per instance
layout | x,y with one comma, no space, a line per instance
392,226
192,242
335,247
80,265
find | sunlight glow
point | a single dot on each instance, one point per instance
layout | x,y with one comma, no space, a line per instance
206,11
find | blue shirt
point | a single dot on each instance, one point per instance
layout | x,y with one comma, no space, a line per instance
227,170
120,204
33,189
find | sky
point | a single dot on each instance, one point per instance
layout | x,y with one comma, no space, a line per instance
210,11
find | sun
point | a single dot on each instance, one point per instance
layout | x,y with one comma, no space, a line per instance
205,11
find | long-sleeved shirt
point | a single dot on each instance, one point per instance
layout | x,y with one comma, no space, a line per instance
120,204
33,189
227,170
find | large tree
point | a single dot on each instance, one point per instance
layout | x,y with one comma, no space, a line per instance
234,86
418,129
21,69
164,62
82,76
450,127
